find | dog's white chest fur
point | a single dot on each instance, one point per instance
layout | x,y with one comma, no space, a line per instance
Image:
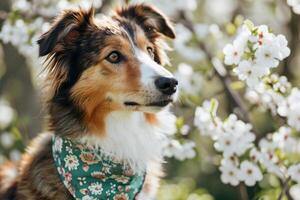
129,137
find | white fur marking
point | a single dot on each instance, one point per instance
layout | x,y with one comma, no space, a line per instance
150,69
129,137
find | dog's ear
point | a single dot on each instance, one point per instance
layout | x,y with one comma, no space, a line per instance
149,18
65,30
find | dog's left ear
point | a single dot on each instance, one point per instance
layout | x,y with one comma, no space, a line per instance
65,30
149,18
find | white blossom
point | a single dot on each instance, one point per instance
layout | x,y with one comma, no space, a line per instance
181,44
6,139
15,155
284,140
6,114
290,108
250,173
233,53
254,52
205,118
250,72
294,172
179,151
229,173
295,4
267,56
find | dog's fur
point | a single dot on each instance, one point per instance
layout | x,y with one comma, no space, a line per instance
89,99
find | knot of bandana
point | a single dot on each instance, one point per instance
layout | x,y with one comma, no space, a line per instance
88,174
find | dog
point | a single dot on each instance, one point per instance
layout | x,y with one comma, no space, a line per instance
107,94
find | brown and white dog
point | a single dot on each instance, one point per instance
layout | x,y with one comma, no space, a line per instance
106,87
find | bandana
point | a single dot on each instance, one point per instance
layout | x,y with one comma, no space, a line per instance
89,174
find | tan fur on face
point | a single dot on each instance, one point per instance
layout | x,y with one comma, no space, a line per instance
94,89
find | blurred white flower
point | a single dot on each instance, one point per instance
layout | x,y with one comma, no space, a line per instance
250,173
284,140
201,30
294,172
181,44
6,114
205,118
190,82
233,53
21,5
15,155
294,116
6,139
229,173
282,43
267,145
187,151
270,162
170,147
220,11
255,155
180,151
291,109
295,4
185,129
281,83
295,191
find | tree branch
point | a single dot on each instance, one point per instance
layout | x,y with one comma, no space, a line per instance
243,192
233,96
285,190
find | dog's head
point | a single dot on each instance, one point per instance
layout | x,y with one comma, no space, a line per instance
111,63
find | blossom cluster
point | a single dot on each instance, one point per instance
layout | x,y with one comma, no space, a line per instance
255,52
277,94
233,138
242,160
22,28
175,145
24,35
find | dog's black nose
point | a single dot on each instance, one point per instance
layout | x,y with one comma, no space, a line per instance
166,85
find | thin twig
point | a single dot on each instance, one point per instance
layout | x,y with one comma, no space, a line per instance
285,190
243,192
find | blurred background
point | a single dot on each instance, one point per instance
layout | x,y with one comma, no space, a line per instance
203,28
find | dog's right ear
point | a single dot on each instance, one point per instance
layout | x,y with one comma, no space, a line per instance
65,31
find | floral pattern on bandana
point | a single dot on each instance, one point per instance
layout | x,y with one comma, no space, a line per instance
90,175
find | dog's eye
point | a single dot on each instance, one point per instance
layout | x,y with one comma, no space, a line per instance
150,52
114,57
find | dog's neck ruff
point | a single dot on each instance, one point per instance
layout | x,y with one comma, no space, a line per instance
89,174
129,137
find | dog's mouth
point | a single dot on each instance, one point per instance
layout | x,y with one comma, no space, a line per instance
162,103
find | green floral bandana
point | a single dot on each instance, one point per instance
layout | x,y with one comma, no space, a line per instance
90,175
